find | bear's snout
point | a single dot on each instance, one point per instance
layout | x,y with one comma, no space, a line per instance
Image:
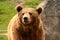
25,19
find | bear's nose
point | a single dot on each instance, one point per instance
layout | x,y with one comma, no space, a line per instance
25,18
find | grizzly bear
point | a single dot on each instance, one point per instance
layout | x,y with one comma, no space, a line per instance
26,25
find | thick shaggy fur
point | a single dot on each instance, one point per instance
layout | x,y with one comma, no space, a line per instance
19,31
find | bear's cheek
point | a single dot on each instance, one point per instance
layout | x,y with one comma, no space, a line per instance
33,19
20,17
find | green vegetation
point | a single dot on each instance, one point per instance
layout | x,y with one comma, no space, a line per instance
3,37
32,3
7,11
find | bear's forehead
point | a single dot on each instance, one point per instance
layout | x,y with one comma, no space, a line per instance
25,10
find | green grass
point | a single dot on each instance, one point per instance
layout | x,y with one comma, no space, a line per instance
32,3
7,11
3,37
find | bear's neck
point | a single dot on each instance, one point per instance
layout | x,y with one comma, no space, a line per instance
30,32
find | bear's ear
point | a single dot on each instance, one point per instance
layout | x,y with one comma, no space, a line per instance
39,10
18,8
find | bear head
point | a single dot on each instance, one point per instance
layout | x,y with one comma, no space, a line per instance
28,15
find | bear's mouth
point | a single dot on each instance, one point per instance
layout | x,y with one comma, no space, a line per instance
25,21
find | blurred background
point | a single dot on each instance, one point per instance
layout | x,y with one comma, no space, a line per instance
7,11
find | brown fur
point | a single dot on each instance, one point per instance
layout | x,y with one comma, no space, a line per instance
19,31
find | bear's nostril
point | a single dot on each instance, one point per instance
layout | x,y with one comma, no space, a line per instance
25,18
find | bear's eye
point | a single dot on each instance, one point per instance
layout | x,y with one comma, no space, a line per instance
22,13
30,13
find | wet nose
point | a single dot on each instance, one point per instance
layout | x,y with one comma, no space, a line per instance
25,18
